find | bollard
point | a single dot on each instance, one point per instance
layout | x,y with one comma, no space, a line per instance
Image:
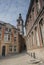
34,55
31,54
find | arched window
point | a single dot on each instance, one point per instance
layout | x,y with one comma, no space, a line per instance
38,6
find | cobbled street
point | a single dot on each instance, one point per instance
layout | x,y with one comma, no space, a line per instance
19,59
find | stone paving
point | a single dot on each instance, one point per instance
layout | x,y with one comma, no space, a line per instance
19,59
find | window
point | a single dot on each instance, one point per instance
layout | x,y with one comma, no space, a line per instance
38,5
33,13
0,36
10,48
5,37
6,29
14,48
30,16
0,33
18,29
8,37
0,28
33,10
15,31
9,30
14,38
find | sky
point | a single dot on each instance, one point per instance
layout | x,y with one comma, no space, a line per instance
10,9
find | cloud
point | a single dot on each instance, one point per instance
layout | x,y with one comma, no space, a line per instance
9,10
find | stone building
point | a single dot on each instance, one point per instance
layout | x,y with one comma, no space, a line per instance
8,39
11,40
22,43
20,25
35,29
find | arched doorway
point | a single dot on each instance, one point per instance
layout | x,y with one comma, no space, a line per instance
24,47
3,51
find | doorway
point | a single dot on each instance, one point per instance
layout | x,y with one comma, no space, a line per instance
3,51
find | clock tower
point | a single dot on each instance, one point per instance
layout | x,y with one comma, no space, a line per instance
20,25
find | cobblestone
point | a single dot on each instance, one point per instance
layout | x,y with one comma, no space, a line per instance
20,59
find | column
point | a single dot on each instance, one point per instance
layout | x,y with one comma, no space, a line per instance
39,33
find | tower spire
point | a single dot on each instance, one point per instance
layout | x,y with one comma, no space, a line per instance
20,15
20,26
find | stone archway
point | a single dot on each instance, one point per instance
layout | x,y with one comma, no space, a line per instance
3,50
24,47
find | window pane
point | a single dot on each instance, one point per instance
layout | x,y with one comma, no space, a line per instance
14,48
8,37
10,48
9,30
0,36
5,37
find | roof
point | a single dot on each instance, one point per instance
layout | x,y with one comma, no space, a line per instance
4,23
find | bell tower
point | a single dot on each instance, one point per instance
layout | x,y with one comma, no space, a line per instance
20,25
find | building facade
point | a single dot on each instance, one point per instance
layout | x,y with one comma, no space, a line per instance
9,39
20,27
35,29
22,43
